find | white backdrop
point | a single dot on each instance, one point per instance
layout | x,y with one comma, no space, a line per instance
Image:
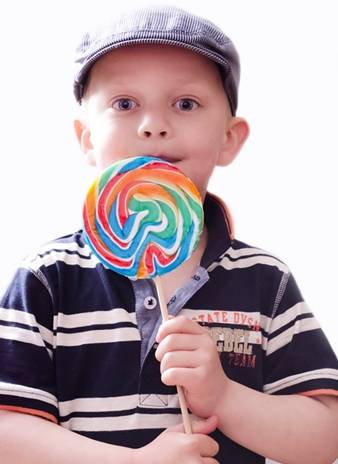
282,189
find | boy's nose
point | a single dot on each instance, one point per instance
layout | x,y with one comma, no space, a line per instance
153,128
147,133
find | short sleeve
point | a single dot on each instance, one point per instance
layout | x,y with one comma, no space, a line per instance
299,358
27,375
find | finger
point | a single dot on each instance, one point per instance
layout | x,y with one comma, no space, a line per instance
179,324
174,359
205,426
208,447
203,344
183,376
199,426
177,342
209,461
175,428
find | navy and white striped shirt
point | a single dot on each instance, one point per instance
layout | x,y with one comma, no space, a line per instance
77,340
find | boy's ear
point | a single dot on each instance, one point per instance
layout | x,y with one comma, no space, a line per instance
236,134
83,136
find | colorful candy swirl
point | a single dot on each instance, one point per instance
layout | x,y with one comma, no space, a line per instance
142,217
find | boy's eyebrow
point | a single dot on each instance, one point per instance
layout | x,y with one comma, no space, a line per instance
196,82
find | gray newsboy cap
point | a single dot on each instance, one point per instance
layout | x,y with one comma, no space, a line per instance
160,25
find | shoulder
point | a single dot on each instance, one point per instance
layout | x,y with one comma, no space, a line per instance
57,266
70,250
240,255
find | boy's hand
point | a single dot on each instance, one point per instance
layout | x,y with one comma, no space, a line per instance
189,358
173,446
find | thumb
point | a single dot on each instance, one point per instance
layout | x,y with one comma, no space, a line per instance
203,426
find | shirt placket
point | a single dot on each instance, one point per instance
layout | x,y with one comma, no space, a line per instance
149,318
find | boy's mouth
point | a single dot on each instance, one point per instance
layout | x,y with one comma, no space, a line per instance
168,158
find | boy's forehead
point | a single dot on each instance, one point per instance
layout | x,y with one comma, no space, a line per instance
167,69
159,25
144,56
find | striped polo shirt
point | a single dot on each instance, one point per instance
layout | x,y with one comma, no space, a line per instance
77,340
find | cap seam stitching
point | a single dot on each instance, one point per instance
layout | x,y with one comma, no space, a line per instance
181,31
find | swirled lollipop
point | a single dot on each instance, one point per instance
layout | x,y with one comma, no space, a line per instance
142,217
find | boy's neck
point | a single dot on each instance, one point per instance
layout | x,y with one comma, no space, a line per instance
175,279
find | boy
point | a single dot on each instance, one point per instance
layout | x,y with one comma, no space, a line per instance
83,347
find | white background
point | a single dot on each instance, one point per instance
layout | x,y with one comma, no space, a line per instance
282,189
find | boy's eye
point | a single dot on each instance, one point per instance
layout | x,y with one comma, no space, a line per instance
186,104
124,104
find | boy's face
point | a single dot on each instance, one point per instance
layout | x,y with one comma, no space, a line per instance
157,100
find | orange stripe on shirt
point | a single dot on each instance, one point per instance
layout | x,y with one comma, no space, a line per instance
320,392
34,412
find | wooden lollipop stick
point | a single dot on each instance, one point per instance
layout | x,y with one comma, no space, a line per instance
180,391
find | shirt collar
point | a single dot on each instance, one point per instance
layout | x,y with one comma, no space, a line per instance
219,224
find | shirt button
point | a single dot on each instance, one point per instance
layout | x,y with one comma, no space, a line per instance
150,302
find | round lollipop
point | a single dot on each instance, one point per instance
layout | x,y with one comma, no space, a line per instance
142,219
